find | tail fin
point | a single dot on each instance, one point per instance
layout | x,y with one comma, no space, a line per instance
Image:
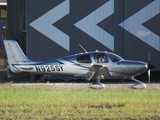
15,54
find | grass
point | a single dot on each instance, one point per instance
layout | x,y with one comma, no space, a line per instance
50,103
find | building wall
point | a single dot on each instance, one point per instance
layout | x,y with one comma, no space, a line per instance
15,10
3,20
55,28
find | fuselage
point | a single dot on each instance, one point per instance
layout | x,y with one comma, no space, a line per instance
79,64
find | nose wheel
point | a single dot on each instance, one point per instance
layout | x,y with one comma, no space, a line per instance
139,85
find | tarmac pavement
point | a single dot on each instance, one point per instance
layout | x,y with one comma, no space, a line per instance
82,85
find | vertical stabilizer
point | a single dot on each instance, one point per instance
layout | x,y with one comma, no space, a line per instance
14,54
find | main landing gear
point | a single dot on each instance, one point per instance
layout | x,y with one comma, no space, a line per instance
98,84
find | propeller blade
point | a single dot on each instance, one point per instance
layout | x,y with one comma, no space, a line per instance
149,75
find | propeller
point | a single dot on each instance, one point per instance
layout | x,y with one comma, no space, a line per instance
150,66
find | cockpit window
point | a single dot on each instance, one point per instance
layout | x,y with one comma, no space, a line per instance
100,58
114,57
84,59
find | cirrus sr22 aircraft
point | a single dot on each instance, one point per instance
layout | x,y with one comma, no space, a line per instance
95,65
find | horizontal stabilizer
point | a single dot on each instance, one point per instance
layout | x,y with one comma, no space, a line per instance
26,68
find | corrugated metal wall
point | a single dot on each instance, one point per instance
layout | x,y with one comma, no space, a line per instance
130,28
15,10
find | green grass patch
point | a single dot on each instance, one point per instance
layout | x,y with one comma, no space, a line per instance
49,103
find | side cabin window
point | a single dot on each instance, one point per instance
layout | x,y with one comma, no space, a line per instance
84,59
100,58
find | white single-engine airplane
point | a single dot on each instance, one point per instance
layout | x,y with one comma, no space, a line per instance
95,65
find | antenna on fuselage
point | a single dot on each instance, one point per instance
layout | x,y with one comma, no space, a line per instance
83,48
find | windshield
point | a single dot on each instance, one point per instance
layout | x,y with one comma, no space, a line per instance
115,58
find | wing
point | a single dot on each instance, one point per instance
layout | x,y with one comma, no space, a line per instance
98,72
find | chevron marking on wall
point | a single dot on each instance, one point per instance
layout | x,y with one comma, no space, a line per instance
134,24
89,24
44,24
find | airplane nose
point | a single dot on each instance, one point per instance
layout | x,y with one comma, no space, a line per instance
143,66
136,67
